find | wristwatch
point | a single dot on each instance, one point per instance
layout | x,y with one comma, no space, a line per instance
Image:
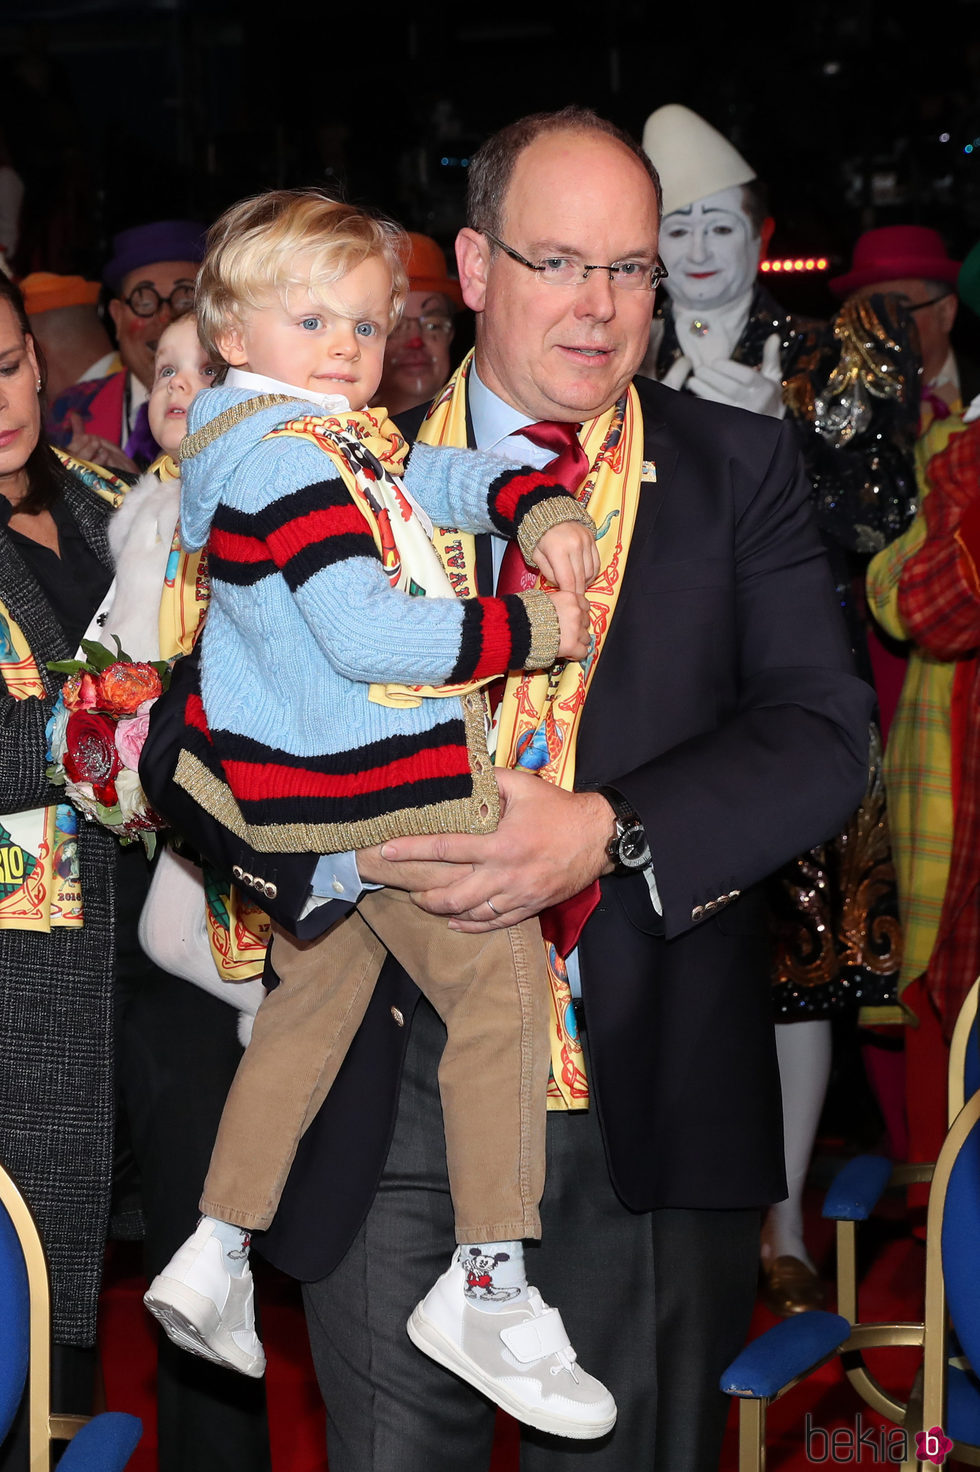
629,850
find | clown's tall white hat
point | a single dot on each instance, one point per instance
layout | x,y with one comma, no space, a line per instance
692,158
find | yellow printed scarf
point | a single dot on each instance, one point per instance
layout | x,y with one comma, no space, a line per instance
40,884
537,721
238,931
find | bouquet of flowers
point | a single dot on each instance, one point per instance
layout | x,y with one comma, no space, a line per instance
95,736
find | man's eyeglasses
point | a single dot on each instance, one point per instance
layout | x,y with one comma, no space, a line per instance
930,302
566,271
146,301
431,328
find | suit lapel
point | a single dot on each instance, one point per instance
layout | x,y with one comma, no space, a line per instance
658,448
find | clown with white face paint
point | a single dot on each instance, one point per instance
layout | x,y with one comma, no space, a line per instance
723,337
715,232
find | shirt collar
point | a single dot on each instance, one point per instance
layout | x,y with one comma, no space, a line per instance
493,419
948,374
258,383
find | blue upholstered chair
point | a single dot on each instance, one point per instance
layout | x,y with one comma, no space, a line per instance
103,1443
946,1393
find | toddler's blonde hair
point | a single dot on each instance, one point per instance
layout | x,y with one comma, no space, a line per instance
289,238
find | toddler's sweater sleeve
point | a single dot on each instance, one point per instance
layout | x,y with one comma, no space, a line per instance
316,538
477,491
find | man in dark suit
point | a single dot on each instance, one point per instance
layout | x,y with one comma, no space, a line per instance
724,719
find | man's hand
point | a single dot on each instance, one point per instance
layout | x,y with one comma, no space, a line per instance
758,389
567,556
420,875
95,449
549,845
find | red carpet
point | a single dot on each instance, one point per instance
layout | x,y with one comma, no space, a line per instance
893,1290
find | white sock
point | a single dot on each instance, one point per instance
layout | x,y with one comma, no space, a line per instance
235,1241
495,1277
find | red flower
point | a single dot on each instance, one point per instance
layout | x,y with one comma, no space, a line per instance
90,750
123,687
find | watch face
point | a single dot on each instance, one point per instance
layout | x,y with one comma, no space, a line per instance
634,852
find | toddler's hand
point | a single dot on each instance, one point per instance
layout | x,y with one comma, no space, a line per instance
573,624
567,556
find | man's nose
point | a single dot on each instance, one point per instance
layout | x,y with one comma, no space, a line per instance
594,296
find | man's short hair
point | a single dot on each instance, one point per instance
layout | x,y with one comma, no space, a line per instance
289,238
492,165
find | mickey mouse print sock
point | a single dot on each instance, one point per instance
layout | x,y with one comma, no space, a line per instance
235,1243
494,1276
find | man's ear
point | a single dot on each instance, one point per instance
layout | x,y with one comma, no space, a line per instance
947,309
115,312
472,261
231,346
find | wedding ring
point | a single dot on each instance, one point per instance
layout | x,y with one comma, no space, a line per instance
493,907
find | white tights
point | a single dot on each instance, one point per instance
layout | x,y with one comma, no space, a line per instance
173,933
804,1052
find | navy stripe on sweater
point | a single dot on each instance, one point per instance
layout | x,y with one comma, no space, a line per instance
312,528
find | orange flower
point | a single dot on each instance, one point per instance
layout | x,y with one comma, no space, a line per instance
124,687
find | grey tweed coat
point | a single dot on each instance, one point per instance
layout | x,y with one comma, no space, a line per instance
56,1015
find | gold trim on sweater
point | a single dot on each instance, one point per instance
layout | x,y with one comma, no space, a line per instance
543,516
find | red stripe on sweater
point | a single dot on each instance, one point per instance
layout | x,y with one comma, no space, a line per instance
315,526
194,715
506,499
265,781
236,547
497,640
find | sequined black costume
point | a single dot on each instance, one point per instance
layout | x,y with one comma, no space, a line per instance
851,387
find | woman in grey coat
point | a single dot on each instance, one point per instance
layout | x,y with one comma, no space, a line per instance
56,976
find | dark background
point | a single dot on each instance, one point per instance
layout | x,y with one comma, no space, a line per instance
856,114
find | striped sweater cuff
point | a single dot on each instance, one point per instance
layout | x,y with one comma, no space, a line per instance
543,628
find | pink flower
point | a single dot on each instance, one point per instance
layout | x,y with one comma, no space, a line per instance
130,736
80,692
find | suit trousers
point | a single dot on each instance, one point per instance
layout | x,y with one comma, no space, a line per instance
656,1304
491,991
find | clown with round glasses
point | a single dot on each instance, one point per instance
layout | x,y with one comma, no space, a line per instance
150,280
722,336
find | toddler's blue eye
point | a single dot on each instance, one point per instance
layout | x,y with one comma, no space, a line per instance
366,329
310,324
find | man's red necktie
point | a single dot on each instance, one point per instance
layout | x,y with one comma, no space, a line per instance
569,468
561,924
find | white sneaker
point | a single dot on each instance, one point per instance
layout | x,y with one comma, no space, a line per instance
204,1308
520,1357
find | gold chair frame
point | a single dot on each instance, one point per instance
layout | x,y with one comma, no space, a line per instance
866,1336
44,1425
